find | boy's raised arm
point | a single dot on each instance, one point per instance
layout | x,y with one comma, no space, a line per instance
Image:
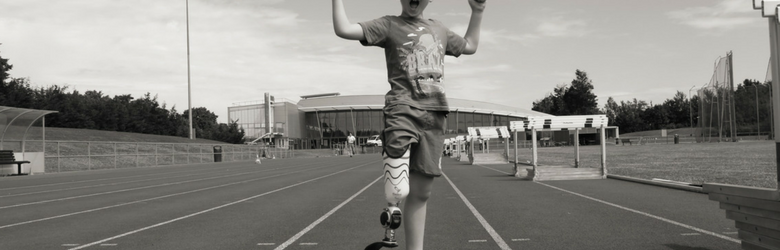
342,26
472,34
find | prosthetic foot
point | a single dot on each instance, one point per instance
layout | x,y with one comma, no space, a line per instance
396,179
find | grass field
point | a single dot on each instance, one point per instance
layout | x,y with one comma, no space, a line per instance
747,163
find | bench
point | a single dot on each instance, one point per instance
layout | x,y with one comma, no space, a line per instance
7,157
624,141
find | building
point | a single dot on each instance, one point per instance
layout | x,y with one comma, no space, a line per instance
321,121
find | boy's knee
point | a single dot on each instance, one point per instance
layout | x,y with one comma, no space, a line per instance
420,195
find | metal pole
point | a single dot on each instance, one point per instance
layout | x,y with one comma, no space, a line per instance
189,91
758,121
690,107
775,56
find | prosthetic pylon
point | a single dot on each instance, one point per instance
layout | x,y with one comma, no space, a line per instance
396,176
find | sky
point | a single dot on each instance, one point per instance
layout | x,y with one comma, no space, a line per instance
240,49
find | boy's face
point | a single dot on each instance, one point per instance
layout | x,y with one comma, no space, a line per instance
413,8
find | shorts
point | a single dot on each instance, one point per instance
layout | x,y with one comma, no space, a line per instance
420,131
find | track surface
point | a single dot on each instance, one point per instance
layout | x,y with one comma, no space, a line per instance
334,203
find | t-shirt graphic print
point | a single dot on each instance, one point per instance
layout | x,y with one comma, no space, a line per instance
414,52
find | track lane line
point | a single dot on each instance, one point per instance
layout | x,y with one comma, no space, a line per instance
106,184
322,218
493,234
103,179
633,210
151,199
133,189
212,209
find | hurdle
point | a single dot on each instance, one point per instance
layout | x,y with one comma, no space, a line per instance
557,123
487,133
459,145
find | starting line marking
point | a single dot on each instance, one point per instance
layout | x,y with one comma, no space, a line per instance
473,241
635,211
266,244
521,239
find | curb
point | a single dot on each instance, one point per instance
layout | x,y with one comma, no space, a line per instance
690,188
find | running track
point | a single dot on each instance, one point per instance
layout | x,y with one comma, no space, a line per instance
334,203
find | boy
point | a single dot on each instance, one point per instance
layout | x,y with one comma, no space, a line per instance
415,107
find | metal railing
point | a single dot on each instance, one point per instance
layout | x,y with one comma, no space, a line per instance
62,156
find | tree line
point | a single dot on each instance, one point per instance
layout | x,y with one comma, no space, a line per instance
123,113
751,100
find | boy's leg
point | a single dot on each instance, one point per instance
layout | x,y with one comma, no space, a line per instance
415,209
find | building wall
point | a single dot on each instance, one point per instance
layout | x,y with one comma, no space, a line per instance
324,129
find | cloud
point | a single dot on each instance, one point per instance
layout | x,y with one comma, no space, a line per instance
560,27
726,15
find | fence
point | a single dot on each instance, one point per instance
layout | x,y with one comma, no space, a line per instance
63,156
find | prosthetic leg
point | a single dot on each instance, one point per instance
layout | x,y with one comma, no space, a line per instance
396,179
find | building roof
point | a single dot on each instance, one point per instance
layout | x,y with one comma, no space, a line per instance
377,102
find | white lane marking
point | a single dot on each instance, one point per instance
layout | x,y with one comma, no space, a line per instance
636,211
690,234
94,180
308,244
108,245
475,241
151,199
211,209
328,214
497,238
69,245
266,244
730,232
524,239
100,185
125,190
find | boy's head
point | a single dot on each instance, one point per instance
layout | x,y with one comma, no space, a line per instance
413,8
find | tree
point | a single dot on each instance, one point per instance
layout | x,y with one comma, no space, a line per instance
4,68
553,103
677,111
579,98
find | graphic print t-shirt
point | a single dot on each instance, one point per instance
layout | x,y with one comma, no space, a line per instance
414,51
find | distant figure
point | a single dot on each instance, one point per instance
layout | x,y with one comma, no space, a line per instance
350,144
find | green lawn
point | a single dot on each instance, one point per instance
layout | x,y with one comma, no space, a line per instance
747,163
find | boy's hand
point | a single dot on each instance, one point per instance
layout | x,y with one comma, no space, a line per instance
477,5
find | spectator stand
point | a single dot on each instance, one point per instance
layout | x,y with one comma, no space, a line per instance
15,126
479,148
561,123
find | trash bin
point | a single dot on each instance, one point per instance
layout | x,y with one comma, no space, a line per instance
676,139
217,153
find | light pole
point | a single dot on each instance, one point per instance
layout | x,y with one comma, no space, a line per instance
690,105
189,91
758,121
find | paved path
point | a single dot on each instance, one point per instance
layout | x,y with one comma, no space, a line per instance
334,203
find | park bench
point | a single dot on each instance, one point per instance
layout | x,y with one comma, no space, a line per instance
626,140
7,157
